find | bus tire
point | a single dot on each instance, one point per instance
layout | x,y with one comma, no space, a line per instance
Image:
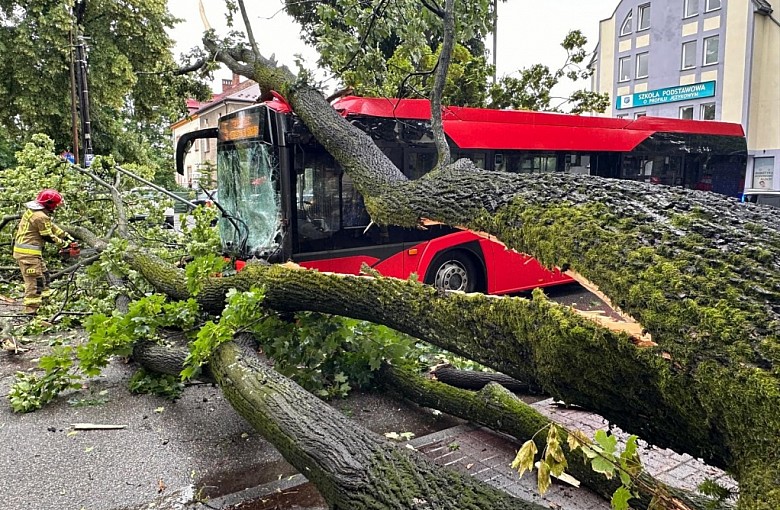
455,270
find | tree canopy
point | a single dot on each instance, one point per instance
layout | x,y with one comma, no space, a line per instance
132,87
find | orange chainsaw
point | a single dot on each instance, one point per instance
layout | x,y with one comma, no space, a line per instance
71,251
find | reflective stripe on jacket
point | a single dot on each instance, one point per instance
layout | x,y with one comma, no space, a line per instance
35,228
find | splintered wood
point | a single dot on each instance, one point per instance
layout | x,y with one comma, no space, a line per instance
625,323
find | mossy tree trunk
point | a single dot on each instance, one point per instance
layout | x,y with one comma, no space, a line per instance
353,468
699,271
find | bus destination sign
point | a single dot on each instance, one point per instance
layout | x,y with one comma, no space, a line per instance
667,95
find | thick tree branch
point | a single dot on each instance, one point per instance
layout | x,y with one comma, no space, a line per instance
498,409
439,82
351,466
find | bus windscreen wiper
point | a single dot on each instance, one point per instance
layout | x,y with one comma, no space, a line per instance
243,237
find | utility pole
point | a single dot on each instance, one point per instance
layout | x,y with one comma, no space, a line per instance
495,39
83,97
73,102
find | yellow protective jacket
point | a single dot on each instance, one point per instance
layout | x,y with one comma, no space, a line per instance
35,228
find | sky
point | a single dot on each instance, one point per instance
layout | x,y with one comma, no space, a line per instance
529,32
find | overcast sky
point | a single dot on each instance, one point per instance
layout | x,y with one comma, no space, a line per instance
528,32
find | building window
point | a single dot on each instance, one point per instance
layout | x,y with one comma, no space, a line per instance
711,50
207,145
708,111
640,114
641,65
686,112
763,172
623,116
625,28
689,55
690,8
624,69
643,13
712,5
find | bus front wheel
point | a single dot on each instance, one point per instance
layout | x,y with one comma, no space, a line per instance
454,271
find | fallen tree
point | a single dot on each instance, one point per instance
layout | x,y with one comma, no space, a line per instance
644,391
698,271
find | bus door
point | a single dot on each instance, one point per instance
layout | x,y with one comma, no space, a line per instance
606,164
332,230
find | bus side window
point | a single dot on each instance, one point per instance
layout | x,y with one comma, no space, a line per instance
317,202
419,163
353,209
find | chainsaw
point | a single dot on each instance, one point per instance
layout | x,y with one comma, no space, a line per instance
71,251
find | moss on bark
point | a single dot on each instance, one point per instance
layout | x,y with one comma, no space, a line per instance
496,408
352,467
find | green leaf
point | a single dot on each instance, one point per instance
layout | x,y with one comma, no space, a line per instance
608,442
625,478
524,460
602,465
543,477
620,498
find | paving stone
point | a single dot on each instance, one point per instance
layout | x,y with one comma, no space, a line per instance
676,469
487,456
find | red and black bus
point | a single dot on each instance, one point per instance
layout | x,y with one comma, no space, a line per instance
286,198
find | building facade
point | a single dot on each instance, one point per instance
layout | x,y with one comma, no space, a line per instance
698,59
200,164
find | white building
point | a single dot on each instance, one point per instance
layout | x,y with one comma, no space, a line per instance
200,163
698,59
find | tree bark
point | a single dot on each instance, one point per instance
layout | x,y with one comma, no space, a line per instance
699,271
353,468
475,380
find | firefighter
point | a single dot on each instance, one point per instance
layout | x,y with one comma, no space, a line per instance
35,228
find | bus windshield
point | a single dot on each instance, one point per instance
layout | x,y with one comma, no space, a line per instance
247,175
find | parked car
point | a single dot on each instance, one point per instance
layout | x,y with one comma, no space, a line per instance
203,198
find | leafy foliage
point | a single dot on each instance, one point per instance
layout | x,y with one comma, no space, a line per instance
327,355
31,391
150,383
532,90
242,309
373,47
601,453
109,336
133,92
200,269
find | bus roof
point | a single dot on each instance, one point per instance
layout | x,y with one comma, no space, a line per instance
482,128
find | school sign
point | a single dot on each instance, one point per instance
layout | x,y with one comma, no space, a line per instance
667,95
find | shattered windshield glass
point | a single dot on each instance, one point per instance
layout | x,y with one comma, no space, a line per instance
247,176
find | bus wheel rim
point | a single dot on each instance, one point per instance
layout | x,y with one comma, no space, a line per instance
452,276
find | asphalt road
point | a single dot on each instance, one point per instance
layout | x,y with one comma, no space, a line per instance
166,454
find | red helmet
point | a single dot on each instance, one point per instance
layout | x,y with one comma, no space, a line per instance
49,198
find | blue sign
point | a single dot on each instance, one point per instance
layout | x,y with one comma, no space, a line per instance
667,95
